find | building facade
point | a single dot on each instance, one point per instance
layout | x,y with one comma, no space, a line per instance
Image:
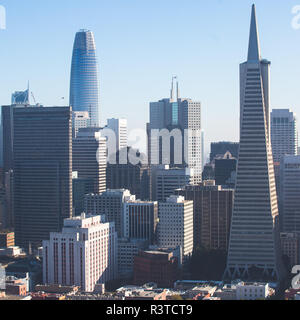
109,203
89,157
166,180
175,133
140,220
212,214
175,227
290,194
84,84
42,178
84,254
254,249
284,133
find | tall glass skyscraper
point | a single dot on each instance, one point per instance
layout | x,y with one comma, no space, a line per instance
84,86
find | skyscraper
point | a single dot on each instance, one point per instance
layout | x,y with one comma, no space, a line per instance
212,214
119,126
89,157
84,85
176,115
42,164
284,133
290,193
140,220
175,226
254,248
83,254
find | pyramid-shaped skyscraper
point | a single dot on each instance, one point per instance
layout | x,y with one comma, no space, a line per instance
254,251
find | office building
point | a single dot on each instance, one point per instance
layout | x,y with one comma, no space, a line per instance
109,203
128,249
221,148
140,220
290,194
83,254
254,249
42,177
166,180
119,127
290,247
156,267
175,133
81,187
84,84
225,170
81,119
284,133
89,157
175,227
212,214
133,177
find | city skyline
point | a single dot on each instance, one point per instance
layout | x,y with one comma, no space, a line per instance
131,63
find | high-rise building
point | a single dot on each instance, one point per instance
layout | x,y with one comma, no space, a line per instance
284,133
89,157
84,84
81,187
212,214
128,249
175,227
181,117
220,148
254,248
166,180
21,97
109,203
42,164
119,127
81,119
140,220
83,254
290,194
134,177
225,170
290,247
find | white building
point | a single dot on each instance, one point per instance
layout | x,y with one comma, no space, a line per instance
109,203
252,291
81,119
175,227
83,254
284,133
166,180
119,126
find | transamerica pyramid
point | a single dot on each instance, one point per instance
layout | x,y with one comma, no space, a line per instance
254,251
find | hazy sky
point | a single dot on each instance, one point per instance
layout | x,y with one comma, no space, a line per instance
141,44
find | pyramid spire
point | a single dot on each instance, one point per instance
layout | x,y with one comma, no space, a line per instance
254,44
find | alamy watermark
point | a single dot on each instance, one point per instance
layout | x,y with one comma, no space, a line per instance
164,147
296,279
296,20
2,18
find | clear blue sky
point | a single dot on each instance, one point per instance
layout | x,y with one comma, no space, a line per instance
141,44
